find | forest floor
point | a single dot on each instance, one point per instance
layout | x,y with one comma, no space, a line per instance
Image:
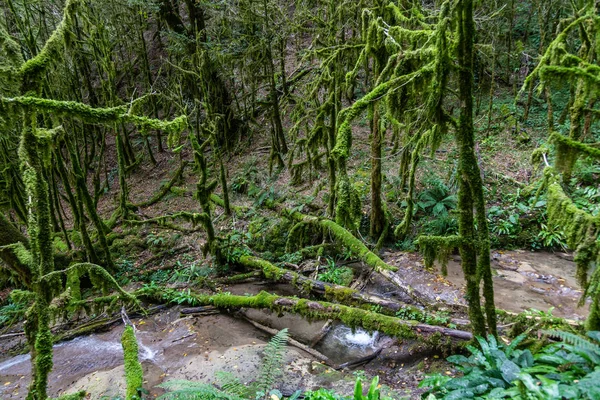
196,347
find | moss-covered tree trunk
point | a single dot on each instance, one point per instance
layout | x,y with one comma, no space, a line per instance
474,244
32,157
11,236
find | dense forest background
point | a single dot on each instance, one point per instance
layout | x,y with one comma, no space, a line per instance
151,151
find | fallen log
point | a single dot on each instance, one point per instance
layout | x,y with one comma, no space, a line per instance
316,310
361,361
361,252
204,310
331,291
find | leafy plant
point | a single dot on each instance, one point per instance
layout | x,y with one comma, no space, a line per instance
437,199
372,394
552,237
443,225
569,369
12,312
335,274
154,240
493,366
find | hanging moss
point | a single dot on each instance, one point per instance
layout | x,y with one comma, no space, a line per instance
348,207
438,248
134,375
32,69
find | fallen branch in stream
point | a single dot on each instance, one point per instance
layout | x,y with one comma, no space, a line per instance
361,251
319,356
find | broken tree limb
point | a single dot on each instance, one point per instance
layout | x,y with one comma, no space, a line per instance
361,361
197,311
343,235
351,316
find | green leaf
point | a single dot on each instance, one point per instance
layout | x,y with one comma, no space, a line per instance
510,371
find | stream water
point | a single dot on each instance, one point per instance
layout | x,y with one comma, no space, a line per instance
196,348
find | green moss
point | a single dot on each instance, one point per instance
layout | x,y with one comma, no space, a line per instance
438,248
75,396
339,295
134,375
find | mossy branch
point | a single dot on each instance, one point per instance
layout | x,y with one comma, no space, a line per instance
575,145
134,375
332,292
346,116
357,247
99,276
98,115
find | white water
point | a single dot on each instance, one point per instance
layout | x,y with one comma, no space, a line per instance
90,345
359,338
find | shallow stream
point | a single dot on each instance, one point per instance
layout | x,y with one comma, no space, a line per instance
195,348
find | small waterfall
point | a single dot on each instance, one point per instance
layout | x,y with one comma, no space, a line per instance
359,338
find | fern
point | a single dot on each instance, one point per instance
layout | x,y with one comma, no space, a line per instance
575,340
184,390
231,387
231,384
272,365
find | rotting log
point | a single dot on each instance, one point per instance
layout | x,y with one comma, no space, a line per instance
315,310
240,278
196,311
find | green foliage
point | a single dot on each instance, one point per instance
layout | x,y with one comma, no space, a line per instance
566,370
552,237
334,274
372,394
12,312
413,314
436,200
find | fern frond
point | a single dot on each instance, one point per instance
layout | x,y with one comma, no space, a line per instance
272,365
575,340
231,384
513,345
187,390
